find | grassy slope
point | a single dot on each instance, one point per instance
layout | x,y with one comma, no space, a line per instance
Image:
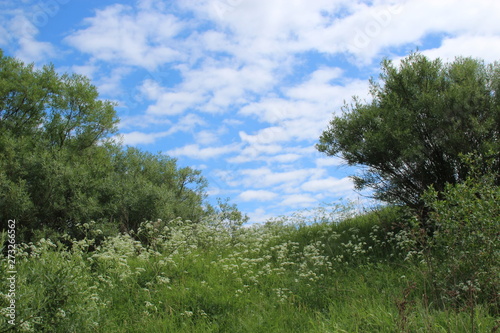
347,277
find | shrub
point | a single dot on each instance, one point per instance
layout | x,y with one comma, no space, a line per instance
465,260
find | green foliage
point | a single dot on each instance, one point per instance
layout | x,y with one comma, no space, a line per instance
71,190
147,186
64,109
214,277
423,115
465,261
60,167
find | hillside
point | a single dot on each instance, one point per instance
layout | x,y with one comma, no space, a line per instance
364,273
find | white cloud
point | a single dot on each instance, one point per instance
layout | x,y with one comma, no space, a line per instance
265,35
265,177
232,122
20,31
284,158
173,103
271,28
229,77
32,50
260,195
185,124
207,137
235,63
329,184
111,84
483,47
5,37
271,153
190,121
167,101
266,136
196,152
151,89
211,136
299,200
222,84
319,90
135,138
305,110
143,122
276,29
265,152
213,88
118,33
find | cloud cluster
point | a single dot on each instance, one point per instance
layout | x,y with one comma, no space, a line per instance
130,35
19,30
250,83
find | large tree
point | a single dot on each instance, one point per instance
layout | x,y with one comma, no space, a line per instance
60,167
53,149
63,109
423,116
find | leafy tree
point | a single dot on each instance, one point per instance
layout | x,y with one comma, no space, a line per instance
150,186
59,166
53,131
62,109
423,115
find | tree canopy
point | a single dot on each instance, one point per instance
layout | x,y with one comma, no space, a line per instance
59,165
424,115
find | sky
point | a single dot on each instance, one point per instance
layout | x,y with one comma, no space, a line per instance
242,89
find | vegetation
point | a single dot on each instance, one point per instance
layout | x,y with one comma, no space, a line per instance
423,116
113,239
463,256
360,274
59,166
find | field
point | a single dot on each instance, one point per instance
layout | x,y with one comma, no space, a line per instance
351,273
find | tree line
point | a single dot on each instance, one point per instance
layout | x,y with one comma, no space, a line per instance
59,164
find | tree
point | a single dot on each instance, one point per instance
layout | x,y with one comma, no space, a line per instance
150,186
61,109
54,152
424,114
59,166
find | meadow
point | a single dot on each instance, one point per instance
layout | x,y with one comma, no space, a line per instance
335,272
102,237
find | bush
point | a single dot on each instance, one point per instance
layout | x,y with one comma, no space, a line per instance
465,248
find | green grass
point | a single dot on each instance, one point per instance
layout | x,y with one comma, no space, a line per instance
324,277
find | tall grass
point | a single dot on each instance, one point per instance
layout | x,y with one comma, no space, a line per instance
285,276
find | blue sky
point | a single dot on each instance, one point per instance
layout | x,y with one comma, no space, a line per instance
242,89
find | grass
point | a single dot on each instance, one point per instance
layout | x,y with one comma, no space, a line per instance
325,277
